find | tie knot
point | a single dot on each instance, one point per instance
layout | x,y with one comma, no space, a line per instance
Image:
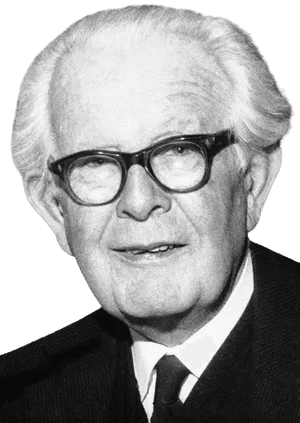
170,376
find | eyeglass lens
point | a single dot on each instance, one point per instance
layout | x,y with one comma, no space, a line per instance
95,179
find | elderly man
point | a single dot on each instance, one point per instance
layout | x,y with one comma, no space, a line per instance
148,139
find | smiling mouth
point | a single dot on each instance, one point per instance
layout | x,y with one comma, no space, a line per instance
157,249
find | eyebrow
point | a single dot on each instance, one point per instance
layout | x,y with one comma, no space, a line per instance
117,148
152,140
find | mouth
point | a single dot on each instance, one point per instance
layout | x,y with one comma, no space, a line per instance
157,249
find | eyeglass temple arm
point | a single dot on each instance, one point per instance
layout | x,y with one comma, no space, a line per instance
270,148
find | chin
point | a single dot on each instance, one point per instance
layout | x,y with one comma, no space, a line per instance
154,309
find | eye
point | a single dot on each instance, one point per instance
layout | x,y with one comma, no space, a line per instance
180,150
93,162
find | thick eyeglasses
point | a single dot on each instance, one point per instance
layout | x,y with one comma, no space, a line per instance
178,164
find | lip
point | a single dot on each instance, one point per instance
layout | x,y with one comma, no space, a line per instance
141,253
146,247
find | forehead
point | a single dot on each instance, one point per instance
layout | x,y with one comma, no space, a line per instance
123,99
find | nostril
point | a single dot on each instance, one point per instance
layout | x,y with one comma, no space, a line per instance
157,207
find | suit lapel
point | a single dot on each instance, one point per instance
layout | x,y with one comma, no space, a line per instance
223,388
255,376
128,407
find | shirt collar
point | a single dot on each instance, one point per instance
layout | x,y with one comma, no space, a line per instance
198,350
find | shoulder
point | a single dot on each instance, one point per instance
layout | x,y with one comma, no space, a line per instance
96,332
276,313
72,372
276,282
269,265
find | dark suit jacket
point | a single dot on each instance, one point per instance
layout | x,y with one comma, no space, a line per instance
84,372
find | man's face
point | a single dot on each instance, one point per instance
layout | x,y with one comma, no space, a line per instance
126,103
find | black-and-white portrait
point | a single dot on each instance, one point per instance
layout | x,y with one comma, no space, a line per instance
150,213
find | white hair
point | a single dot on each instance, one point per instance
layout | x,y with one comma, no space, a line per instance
260,113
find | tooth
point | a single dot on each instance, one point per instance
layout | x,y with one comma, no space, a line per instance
137,252
161,248
164,248
154,250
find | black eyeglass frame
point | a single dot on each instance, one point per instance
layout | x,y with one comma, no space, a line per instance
209,144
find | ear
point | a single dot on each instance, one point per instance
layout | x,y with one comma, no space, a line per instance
44,196
259,179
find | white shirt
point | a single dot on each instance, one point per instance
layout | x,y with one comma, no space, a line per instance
198,350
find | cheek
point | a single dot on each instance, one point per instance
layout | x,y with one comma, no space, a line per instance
218,214
85,230
85,226
220,223
217,211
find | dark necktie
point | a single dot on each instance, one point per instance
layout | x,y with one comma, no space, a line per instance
169,378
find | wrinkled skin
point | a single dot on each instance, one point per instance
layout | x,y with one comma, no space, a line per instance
126,103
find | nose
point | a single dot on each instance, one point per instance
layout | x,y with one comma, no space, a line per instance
141,196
